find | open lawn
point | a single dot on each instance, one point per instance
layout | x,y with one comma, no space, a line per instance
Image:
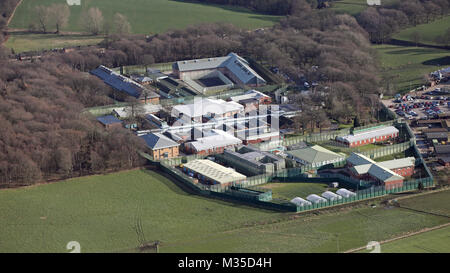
330,145
354,7
435,241
434,203
289,191
406,67
428,32
391,157
100,212
147,17
22,41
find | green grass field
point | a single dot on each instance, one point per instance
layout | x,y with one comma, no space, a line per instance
428,32
354,7
20,41
148,17
100,212
290,190
435,203
408,66
435,241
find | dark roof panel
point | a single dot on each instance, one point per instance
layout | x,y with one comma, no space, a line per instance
106,120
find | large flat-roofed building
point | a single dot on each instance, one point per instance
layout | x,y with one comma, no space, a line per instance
216,142
315,155
160,146
209,172
232,66
251,161
367,136
204,107
384,173
126,85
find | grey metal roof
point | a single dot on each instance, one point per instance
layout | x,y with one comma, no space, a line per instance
398,163
109,119
315,154
158,141
435,135
233,62
122,83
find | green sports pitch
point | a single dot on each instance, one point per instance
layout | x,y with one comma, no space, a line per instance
149,16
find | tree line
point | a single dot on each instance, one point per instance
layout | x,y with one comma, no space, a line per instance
56,16
382,22
273,7
43,133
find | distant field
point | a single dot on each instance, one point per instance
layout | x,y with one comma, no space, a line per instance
21,41
409,65
354,7
435,241
428,32
148,17
100,212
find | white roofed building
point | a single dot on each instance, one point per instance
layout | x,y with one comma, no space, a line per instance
205,107
367,136
216,142
210,172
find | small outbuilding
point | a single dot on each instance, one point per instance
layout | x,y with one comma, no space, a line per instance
331,196
315,199
345,193
110,121
300,202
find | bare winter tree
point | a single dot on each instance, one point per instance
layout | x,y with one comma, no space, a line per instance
121,24
93,20
43,17
59,14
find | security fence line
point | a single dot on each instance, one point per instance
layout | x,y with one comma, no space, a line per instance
365,190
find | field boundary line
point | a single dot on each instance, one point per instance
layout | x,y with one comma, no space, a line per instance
14,12
424,230
422,194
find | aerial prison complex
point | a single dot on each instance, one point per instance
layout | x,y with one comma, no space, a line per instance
228,140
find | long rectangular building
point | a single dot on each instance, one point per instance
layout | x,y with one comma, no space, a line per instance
210,172
367,136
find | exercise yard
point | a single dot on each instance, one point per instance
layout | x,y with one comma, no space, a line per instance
291,190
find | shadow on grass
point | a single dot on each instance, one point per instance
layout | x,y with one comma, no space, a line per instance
438,61
237,9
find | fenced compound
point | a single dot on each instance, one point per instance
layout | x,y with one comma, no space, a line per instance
364,189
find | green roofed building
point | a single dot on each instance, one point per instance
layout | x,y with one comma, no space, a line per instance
315,155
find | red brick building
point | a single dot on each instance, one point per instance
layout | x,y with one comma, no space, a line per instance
367,136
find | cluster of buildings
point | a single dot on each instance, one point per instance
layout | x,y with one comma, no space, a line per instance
390,174
227,128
